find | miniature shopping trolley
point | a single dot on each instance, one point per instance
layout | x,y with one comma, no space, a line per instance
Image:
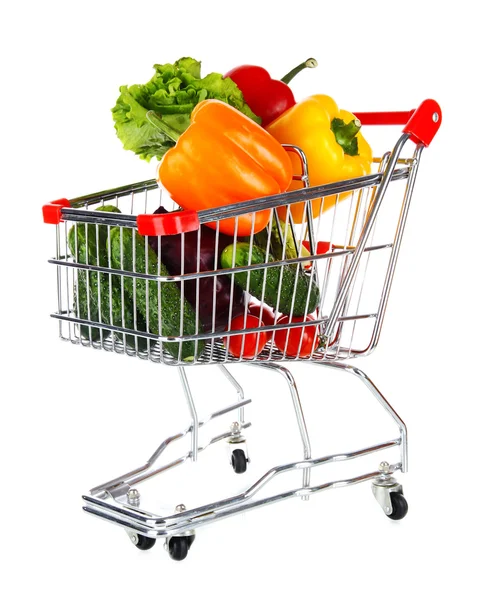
140,277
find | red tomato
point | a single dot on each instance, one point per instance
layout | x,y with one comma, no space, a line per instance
263,312
246,345
290,344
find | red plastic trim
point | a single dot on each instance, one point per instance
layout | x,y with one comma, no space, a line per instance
384,118
52,211
424,123
421,124
173,223
322,247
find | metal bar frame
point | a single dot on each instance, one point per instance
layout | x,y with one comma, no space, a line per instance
109,501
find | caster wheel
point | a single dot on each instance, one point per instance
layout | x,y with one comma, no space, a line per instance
144,543
178,546
239,461
399,506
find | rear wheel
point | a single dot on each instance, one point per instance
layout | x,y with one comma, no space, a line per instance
399,506
239,461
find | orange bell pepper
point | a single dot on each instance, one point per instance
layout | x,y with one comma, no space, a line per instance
222,158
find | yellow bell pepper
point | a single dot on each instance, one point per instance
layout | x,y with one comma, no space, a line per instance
334,147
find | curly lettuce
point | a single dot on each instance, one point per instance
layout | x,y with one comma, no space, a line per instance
172,93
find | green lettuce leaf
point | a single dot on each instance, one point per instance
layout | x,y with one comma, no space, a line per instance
172,93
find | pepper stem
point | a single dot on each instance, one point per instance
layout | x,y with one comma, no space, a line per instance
156,120
310,63
345,134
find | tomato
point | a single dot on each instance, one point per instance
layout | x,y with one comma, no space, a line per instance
247,345
290,344
263,312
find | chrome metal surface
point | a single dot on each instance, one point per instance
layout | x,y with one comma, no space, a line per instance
146,471
133,537
361,221
194,415
342,273
383,486
347,281
299,413
133,497
383,402
178,523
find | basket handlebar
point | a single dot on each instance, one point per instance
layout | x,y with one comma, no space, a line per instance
421,123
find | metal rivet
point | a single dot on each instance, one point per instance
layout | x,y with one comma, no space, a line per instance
435,117
133,497
235,428
180,508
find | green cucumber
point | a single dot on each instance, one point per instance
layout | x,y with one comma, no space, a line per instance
131,252
268,280
82,303
100,293
277,240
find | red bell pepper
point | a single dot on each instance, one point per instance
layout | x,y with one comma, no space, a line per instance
268,98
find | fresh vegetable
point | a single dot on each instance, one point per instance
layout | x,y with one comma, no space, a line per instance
91,243
172,94
332,141
247,345
215,295
279,237
86,308
223,158
273,285
297,341
267,97
158,302
264,313
98,295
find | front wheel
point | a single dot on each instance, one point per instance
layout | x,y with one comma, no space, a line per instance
144,543
178,547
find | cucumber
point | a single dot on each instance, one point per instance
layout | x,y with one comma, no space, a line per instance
268,280
91,248
95,289
277,241
129,252
81,305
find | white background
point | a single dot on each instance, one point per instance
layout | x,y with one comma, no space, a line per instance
72,418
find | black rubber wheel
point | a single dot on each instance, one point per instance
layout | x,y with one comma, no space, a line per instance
239,461
144,543
178,547
399,506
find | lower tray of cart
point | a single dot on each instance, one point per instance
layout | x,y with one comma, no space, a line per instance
120,504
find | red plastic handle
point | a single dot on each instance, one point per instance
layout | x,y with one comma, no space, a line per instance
424,123
384,118
52,211
421,123
168,224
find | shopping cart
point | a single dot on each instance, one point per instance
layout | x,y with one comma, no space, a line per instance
132,280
